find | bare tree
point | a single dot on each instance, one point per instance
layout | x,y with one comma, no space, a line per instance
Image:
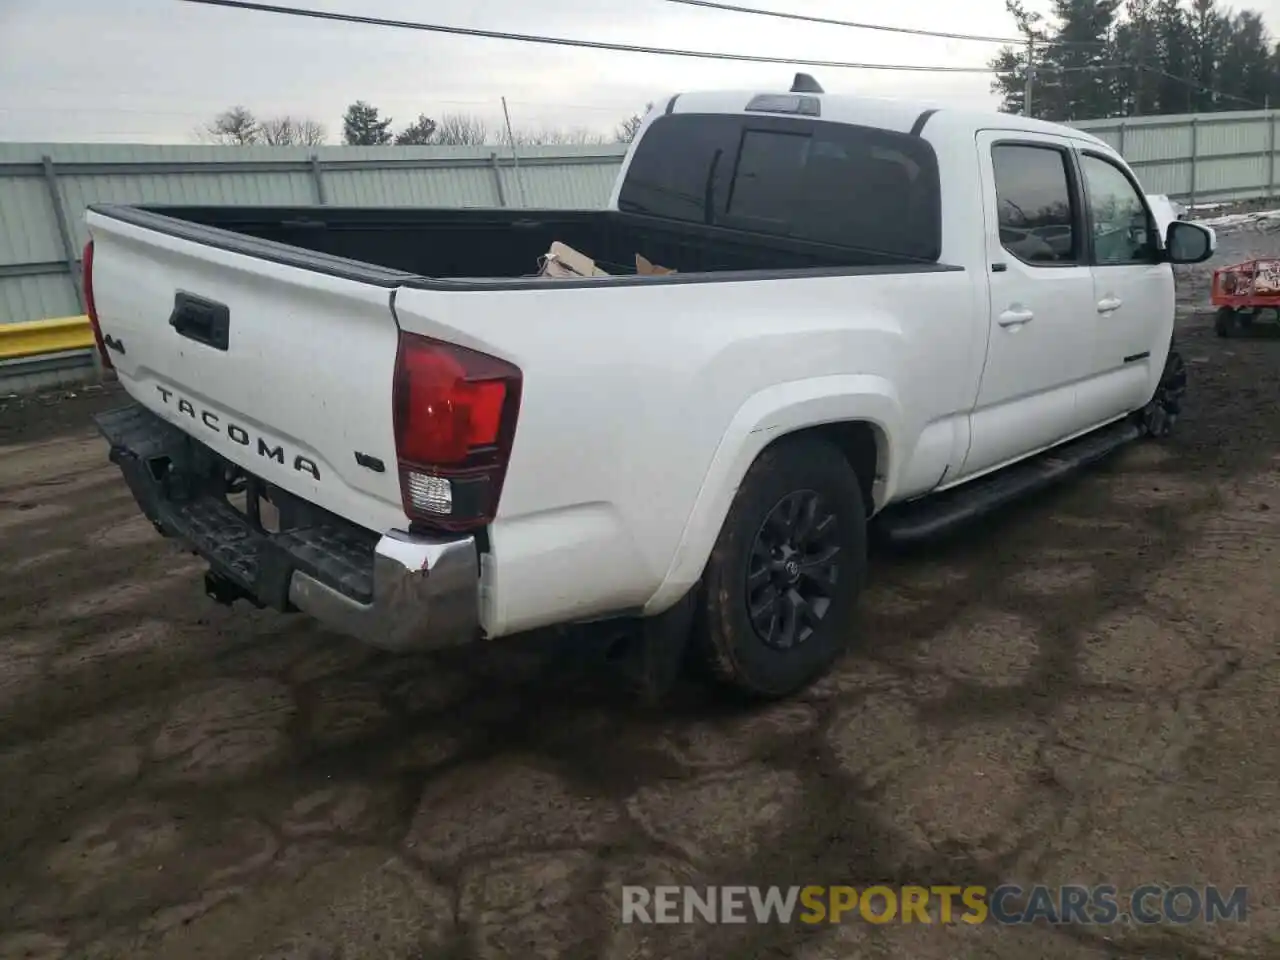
551,136
628,128
236,125
290,131
421,131
312,133
461,129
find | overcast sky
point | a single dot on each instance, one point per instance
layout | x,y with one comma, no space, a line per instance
155,70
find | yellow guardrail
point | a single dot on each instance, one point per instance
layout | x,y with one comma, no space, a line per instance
36,337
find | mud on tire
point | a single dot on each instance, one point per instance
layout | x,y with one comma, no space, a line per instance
784,576
1161,413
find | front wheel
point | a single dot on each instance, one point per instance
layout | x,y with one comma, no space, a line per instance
1162,411
783,579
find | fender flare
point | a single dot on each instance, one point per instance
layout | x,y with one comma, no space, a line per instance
775,412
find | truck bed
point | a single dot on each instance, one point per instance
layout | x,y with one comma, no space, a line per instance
477,243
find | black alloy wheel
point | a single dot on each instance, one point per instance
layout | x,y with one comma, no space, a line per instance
793,570
775,606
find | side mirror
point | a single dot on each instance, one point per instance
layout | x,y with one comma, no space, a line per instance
1188,242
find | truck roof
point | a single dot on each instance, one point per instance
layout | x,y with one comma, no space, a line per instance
886,113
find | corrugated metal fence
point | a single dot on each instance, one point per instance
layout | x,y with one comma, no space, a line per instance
1198,158
44,190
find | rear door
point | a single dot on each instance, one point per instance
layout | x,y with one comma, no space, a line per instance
1042,298
1133,290
283,370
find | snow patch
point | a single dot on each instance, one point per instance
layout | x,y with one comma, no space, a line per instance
1239,219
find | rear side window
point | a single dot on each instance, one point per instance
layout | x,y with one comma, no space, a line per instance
827,183
1034,204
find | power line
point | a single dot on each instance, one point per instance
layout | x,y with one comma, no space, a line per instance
912,31
567,42
884,28
1195,86
705,54
1186,81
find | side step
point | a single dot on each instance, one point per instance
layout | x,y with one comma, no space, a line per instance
919,520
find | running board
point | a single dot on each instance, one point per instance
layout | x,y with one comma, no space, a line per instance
920,520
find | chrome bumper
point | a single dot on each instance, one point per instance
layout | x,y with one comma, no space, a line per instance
403,593
426,595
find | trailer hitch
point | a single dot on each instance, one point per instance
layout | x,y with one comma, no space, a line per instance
225,591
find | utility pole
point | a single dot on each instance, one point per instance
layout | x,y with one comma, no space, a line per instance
515,157
1031,74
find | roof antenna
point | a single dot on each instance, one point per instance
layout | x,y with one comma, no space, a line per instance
806,84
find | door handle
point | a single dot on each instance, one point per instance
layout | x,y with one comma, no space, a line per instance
204,321
1107,304
1015,317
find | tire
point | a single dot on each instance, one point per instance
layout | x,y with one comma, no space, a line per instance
772,658
1165,406
1224,323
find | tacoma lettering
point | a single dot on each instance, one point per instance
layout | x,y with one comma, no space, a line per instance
239,434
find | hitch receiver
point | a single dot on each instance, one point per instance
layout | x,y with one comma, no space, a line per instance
225,591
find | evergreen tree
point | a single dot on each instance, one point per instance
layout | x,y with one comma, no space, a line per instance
1010,81
1105,58
1083,51
1244,69
421,131
1010,65
1207,40
1176,93
1135,52
363,127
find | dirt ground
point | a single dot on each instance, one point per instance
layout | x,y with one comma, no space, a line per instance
1085,691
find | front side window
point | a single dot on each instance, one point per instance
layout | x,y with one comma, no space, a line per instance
1123,229
1034,207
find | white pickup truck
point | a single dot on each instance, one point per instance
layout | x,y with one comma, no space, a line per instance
881,315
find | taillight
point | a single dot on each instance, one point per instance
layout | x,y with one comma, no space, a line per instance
455,414
86,271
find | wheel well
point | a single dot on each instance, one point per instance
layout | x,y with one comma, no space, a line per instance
860,442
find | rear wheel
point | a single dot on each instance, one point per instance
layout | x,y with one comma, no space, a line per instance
785,574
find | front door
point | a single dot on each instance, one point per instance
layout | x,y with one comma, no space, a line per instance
1133,290
1042,299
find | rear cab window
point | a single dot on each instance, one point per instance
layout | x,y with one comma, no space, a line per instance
817,181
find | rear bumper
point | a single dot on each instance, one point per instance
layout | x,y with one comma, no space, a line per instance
425,595
400,592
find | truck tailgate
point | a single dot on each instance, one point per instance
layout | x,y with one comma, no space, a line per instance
283,368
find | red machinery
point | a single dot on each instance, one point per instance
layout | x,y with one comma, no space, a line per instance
1242,291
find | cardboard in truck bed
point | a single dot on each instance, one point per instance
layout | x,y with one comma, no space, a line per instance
563,262
645,268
